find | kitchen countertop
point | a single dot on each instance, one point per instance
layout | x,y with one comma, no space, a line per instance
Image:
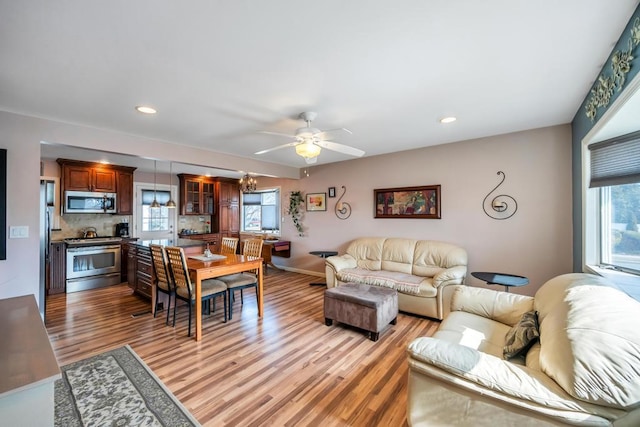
182,243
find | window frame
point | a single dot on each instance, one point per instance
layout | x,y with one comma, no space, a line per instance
278,211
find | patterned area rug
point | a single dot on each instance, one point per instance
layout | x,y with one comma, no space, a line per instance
115,388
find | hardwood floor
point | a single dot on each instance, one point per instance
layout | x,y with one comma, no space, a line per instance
286,369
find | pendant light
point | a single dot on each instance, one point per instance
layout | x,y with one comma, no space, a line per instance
170,204
154,204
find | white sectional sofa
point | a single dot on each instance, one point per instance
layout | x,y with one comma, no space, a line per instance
422,271
584,369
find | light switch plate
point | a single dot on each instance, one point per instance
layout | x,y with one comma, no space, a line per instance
19,232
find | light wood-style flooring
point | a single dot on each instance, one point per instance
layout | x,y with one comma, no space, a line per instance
286,369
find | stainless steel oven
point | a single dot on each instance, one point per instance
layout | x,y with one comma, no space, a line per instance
91,267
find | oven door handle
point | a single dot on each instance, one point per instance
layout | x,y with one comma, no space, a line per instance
93,248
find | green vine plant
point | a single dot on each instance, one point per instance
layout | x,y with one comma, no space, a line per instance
295,201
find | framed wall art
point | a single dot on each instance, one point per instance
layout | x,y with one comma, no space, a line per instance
332,191
407,202
316,202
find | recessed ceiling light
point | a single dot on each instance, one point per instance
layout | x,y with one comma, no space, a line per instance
449,119
145,109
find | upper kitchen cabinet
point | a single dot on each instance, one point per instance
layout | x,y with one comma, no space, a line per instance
87,178
96,177
196,195
124,181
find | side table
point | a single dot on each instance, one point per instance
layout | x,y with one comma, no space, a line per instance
322,254
506,280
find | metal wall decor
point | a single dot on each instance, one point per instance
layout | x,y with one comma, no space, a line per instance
501,206
342,209
620,62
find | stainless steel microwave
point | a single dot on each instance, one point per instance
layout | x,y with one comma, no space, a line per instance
89,202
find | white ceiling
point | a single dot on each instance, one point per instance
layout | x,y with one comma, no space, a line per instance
219,72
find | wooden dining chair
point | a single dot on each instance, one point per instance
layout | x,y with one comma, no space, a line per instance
185,289
229,245
240,281
163,280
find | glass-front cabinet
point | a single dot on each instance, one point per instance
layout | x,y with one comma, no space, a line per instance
196,195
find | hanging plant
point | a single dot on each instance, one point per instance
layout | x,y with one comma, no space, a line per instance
295,201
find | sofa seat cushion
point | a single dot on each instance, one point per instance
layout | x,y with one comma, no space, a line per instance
479,333
402,282
529,387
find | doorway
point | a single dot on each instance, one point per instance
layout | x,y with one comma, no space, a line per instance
154,223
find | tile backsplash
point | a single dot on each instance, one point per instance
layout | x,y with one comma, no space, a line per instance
74,225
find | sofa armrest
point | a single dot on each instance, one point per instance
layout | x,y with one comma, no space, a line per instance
334,264
500,306
450,276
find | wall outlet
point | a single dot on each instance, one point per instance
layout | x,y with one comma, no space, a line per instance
19,232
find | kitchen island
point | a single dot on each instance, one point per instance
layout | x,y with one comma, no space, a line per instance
140,265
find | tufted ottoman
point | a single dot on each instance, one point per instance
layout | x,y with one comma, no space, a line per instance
367,307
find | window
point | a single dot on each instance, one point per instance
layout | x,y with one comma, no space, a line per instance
261,211
615,190
155,219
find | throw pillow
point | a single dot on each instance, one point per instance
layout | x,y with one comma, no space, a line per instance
521,336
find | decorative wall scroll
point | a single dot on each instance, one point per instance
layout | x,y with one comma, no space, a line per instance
501,206
408,202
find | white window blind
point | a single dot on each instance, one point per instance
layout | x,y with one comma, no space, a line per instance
615,161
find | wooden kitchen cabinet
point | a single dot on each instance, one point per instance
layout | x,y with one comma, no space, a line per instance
77,175
87,178
124,181
57,276
144,272
227,216
131,264
197,195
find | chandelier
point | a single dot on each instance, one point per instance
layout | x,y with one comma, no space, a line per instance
248,184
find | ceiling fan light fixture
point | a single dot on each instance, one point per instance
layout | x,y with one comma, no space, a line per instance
308,150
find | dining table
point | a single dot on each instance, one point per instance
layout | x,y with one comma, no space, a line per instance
201,269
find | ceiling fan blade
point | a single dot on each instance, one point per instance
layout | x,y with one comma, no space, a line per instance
335,130
276,133
291,144
340,148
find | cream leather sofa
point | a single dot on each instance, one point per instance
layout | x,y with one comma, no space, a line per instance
422,271
584,370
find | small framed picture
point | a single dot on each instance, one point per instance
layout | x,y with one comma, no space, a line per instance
332,191
316,201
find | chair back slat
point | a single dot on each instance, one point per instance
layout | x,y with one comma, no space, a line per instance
160,265
229,245
179,270
253,248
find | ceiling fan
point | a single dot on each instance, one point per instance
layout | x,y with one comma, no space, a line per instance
309,141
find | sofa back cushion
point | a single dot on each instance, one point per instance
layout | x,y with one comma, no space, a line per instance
590,341
431,257
367,251
397,255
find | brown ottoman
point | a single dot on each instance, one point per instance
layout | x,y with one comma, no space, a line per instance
367,307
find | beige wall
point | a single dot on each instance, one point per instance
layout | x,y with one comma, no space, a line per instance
536,242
